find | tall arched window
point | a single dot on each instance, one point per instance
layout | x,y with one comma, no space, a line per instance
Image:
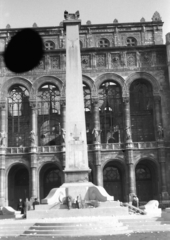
111,114
88,112
19,117
49,115
141,107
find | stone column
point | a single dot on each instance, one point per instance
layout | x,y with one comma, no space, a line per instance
162,163
63,119
97,141
168,53
33,150
33,133
3,141
2,177
158,117
63,127
129,149
33,165
96,121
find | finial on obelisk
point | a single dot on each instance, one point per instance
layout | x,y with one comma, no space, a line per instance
71,16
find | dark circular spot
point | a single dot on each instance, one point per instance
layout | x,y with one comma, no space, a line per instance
24,51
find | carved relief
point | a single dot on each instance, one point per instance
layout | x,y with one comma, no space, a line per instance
86,61
101,60
131,59
41,64
116,60
161,58
146,58
89,41
55,62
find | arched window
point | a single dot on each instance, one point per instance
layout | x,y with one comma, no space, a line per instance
141,107
144,185
130,41
49,45
52,179
18,116
111,114
49,115
112,180
88,112
103,43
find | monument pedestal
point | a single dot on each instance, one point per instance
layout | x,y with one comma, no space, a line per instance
76,175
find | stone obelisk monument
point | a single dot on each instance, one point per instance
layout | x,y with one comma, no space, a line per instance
75,137
76,171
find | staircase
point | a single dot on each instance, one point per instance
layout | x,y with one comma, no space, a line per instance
146,224
91,226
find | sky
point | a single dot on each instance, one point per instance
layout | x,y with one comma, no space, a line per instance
23,13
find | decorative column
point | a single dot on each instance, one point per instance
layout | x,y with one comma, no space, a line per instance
161,147
63,128
63,120
168,53
129,149
97,141
33,150
2,151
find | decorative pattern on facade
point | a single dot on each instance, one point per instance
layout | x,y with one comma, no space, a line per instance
55,62
131,59
86,61
116,60
146,58
101,60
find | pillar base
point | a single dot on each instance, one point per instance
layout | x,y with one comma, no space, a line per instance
2,202
165,196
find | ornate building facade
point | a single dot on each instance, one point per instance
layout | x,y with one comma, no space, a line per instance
126,76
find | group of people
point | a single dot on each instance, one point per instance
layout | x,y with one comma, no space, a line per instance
26,205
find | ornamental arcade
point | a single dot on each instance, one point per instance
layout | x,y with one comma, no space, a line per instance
126,76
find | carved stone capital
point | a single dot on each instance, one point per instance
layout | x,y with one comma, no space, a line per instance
33,104
3,105
126,100
95,101
157,99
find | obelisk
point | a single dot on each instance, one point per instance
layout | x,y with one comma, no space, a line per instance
76,169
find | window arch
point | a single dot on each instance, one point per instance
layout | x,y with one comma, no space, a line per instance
131,41
141,107
18,116
111,114
103,43
49,115
49,45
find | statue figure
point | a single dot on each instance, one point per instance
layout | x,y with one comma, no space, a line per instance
96,133
69,16
128,133
138,58
160,131
32,137
63,133
109,136
2,138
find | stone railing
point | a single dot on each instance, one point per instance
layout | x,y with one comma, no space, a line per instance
91,147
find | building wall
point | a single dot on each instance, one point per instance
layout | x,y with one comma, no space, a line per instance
118,62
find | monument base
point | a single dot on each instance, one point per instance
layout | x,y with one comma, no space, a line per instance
72,176
86,190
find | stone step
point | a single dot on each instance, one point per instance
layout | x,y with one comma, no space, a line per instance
64,213
76,228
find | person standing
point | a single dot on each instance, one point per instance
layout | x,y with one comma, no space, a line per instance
20,206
